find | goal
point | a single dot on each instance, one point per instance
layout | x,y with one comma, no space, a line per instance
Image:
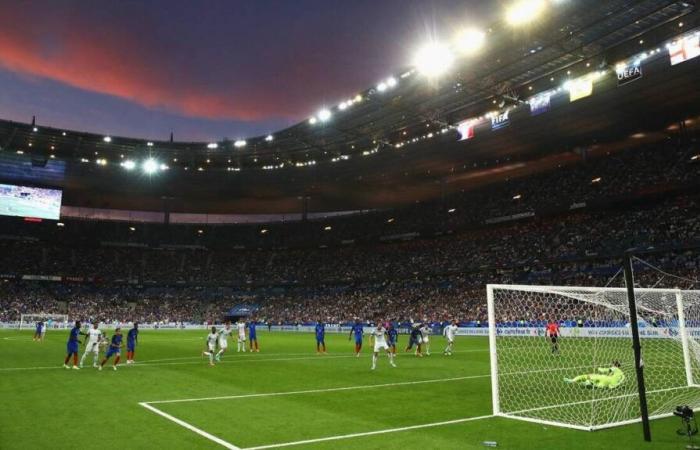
30,320
528,375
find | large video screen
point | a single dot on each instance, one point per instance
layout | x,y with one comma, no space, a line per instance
24,201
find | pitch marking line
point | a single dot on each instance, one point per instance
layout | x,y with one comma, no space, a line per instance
316,391
230,360
369,433
211,437
182,423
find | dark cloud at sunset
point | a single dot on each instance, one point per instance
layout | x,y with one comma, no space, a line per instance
251,64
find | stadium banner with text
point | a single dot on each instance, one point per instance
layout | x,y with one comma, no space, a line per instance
684,49
596,332
580,88
539,104
465,129
501,120
627,74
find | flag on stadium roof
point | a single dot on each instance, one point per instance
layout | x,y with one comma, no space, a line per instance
684,49
466,129
539,104
580,88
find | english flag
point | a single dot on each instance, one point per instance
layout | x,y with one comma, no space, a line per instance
684,49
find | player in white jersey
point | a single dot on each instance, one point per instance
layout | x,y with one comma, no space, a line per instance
449,332
94,340
241,335
427,331
211,345
43,331
223,340
379,336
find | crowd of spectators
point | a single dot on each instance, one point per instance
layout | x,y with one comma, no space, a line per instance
429,277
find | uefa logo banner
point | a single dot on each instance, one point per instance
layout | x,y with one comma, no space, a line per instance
627,74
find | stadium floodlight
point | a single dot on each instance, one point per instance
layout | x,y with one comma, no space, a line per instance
35,129
128,164
164,167
328,228
150,166
381,87
212,145
358,98
60,224
107,139
324,115
240,143
433,59
101,162
391,82
471,41
312,121
150,144
269,138
524,11
343,106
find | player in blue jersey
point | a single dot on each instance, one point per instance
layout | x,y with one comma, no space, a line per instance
132,337
115,348
72,346
416,339
253,337
393,337
357,331
37,332
320,331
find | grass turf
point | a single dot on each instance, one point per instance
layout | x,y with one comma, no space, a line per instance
46,405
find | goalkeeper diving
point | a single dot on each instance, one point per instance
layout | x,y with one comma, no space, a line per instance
605,378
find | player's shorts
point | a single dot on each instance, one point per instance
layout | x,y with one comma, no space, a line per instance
379,346
130,346
212,347
223,345
426,339
358,341
113,351
241,338
92,348
553,338
253,337
320,339
72,347
391,343
450,340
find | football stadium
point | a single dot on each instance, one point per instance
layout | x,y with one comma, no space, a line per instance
416,224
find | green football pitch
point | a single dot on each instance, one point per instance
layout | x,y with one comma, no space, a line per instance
284,396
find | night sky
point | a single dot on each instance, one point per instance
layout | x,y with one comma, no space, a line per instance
206,69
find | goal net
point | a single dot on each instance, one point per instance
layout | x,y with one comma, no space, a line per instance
52,320
528,372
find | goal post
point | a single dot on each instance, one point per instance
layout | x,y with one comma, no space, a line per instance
533,382
30,320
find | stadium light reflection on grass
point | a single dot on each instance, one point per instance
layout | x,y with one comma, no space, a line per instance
524,11
433,59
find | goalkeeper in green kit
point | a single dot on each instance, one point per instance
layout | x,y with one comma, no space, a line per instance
605,378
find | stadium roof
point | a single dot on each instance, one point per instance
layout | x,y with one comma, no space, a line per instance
397,142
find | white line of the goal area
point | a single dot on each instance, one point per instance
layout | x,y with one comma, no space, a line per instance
223,443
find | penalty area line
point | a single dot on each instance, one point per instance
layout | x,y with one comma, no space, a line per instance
369,433
192,428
